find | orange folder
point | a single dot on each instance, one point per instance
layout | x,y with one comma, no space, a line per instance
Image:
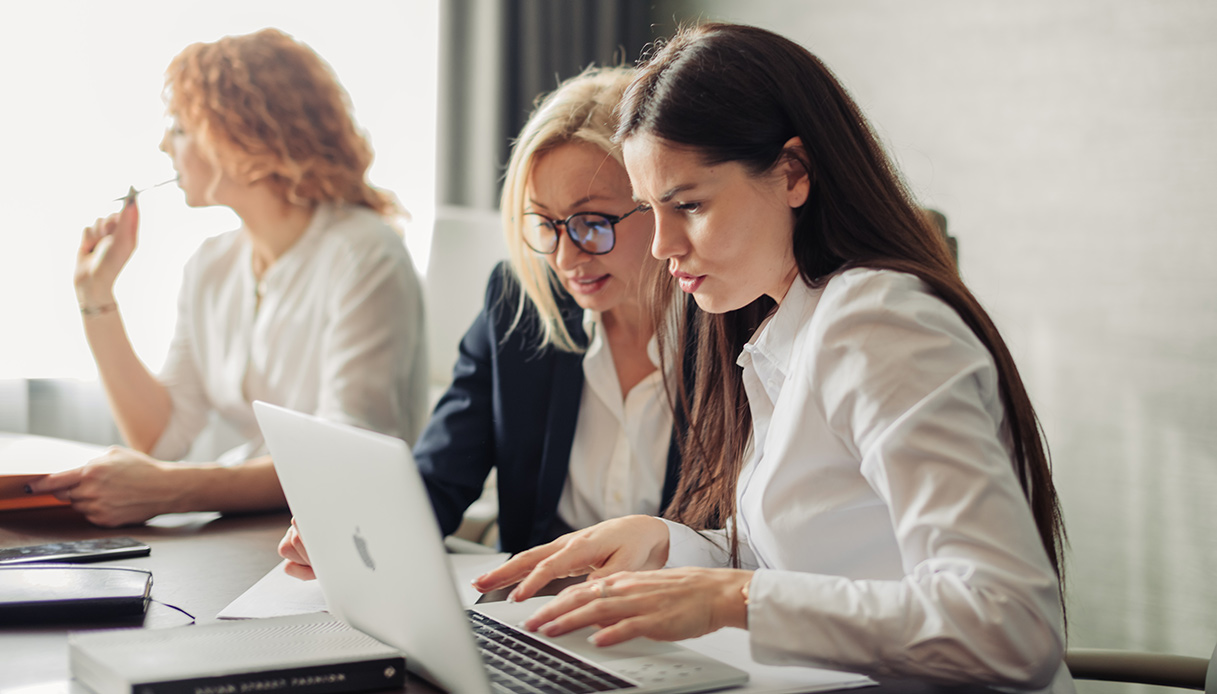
25,457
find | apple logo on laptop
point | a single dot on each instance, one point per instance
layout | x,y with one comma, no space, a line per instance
361,545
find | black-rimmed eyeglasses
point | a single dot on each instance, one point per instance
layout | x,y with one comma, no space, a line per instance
594,233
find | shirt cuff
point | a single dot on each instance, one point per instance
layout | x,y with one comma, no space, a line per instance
688,547
780,631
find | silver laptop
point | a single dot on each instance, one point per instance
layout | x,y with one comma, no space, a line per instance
372,537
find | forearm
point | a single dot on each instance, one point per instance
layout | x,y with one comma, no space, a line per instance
934,625
139,402
250,486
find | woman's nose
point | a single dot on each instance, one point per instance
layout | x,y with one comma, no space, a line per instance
668,241
568,255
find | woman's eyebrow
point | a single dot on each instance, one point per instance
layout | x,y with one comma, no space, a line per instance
671,193
581,201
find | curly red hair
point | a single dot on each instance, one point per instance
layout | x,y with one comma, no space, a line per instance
267,108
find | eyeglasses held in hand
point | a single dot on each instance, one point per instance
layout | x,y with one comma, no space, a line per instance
592,232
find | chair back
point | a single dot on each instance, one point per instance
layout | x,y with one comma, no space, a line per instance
466,245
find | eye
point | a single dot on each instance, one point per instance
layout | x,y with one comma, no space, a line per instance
688,206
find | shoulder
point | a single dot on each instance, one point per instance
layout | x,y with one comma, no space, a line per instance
886,325
356,245
516,319
502,283
881,345
218,247
871,299
506,307
863,287
359,231
216,256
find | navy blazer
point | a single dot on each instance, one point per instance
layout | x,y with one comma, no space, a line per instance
513,407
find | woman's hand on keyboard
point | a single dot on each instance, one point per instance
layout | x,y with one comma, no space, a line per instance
631,543
665,605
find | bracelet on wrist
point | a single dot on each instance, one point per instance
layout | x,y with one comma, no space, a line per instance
99,309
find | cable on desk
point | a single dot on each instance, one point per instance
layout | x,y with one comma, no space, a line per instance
175,607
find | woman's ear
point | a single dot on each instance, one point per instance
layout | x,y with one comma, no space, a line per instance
795,167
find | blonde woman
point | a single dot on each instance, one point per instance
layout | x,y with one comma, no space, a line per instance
557,384
312,303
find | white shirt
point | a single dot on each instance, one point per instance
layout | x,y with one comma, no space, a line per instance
334,328
619,455
879,504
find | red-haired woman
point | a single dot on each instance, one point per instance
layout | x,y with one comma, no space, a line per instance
311,304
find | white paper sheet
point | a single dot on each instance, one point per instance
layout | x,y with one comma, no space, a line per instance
27,454
277,594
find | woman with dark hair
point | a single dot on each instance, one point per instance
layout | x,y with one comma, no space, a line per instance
312,304
874,474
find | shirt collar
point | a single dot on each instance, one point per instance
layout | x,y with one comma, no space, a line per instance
776,339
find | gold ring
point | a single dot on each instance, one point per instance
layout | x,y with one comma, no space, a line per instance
604,588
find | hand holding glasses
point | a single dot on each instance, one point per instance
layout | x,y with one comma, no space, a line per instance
592,232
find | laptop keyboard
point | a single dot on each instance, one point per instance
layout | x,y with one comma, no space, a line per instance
521,664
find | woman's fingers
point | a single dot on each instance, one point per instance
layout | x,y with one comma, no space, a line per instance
300,571
291,547
631,543
667,605
127,219
57,482
578,557
604,606
625,630
91,235
571,598
514,569
104,249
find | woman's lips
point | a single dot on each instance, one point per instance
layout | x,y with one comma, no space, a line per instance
588,285
688,283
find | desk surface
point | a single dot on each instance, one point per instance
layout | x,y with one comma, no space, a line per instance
200,563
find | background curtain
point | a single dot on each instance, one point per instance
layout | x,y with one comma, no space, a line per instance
497,57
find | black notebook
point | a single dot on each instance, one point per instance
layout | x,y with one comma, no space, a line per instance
46,593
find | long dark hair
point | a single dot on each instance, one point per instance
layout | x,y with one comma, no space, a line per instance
739,94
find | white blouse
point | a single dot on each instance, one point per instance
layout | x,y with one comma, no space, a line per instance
890,533
619,454
334,328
